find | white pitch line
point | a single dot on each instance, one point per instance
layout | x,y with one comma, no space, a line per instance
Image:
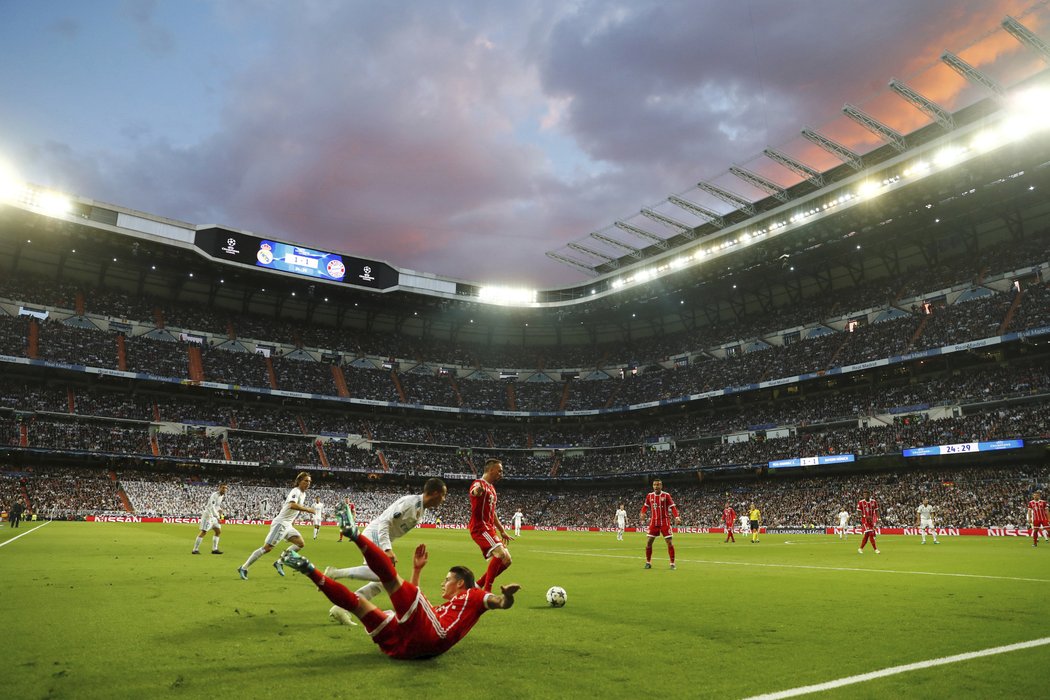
873,675
809,566
24,533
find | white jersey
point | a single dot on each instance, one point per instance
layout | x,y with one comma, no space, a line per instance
212,508
843,518
925,513
745,523
518,517
288,515
621,518
400,516
318,515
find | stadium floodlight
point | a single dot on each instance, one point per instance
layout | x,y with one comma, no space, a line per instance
506,295
642,233
757,181
1025,35
970,73
728,197
697,210
884,132
868,189
53,203
924,104
1027,112
797,167
947,156
835,148
986,140
12,189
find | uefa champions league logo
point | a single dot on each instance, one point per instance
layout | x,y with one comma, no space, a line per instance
231,247
367,276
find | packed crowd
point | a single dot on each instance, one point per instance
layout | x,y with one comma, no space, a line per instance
963,497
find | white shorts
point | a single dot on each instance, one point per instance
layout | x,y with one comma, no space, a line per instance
316,522
210,524
925,524
280,531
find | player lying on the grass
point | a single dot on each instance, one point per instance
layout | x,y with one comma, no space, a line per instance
415,629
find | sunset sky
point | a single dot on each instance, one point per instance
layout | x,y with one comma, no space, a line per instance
459,138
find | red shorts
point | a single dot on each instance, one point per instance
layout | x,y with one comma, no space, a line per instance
487,540
661,530
867,527
406,632
1040,523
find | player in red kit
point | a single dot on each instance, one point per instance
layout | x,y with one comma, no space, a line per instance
1037,517
415,629
729,518
484,523
661,508
869,518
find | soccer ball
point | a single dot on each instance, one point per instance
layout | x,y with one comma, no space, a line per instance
556,596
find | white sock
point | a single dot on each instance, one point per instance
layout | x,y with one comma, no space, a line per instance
361,573
253,557
370,590
197,544
293,548
214,543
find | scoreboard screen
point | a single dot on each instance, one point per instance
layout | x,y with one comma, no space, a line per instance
811,461
962,448
233,246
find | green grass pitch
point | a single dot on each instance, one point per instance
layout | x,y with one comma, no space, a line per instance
120,610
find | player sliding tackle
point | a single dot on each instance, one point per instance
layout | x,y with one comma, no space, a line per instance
415,629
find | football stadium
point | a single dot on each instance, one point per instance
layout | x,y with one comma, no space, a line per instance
821,324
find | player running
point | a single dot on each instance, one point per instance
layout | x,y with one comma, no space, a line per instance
484,523
843,517
869,518
1037,517
282,526
924,520
318,515
211,519
621,521
399,517
729,519
661,508
414,629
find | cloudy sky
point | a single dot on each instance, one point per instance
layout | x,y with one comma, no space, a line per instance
455,137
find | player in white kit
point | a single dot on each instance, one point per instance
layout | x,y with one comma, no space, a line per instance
318,515
517,518
745,525
924,519
843,517
211,519
400,516
621,521
282,526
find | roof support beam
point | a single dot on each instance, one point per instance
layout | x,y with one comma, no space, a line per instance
1025,35
728,197
669,222
970,73
590,251
795,166
642,233
635,252
756,180
697,210
884,132
835,148
573,263
924,104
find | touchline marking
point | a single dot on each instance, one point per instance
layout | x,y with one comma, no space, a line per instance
24,533
809,566
894,670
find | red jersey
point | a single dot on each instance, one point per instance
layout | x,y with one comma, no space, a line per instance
661,507
1038,511
429,631
482,507
869,512
728,516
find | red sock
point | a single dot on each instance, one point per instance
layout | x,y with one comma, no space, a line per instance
496,567
648,552
377,559
335,591
1035,536
873,545
865,540
670,551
